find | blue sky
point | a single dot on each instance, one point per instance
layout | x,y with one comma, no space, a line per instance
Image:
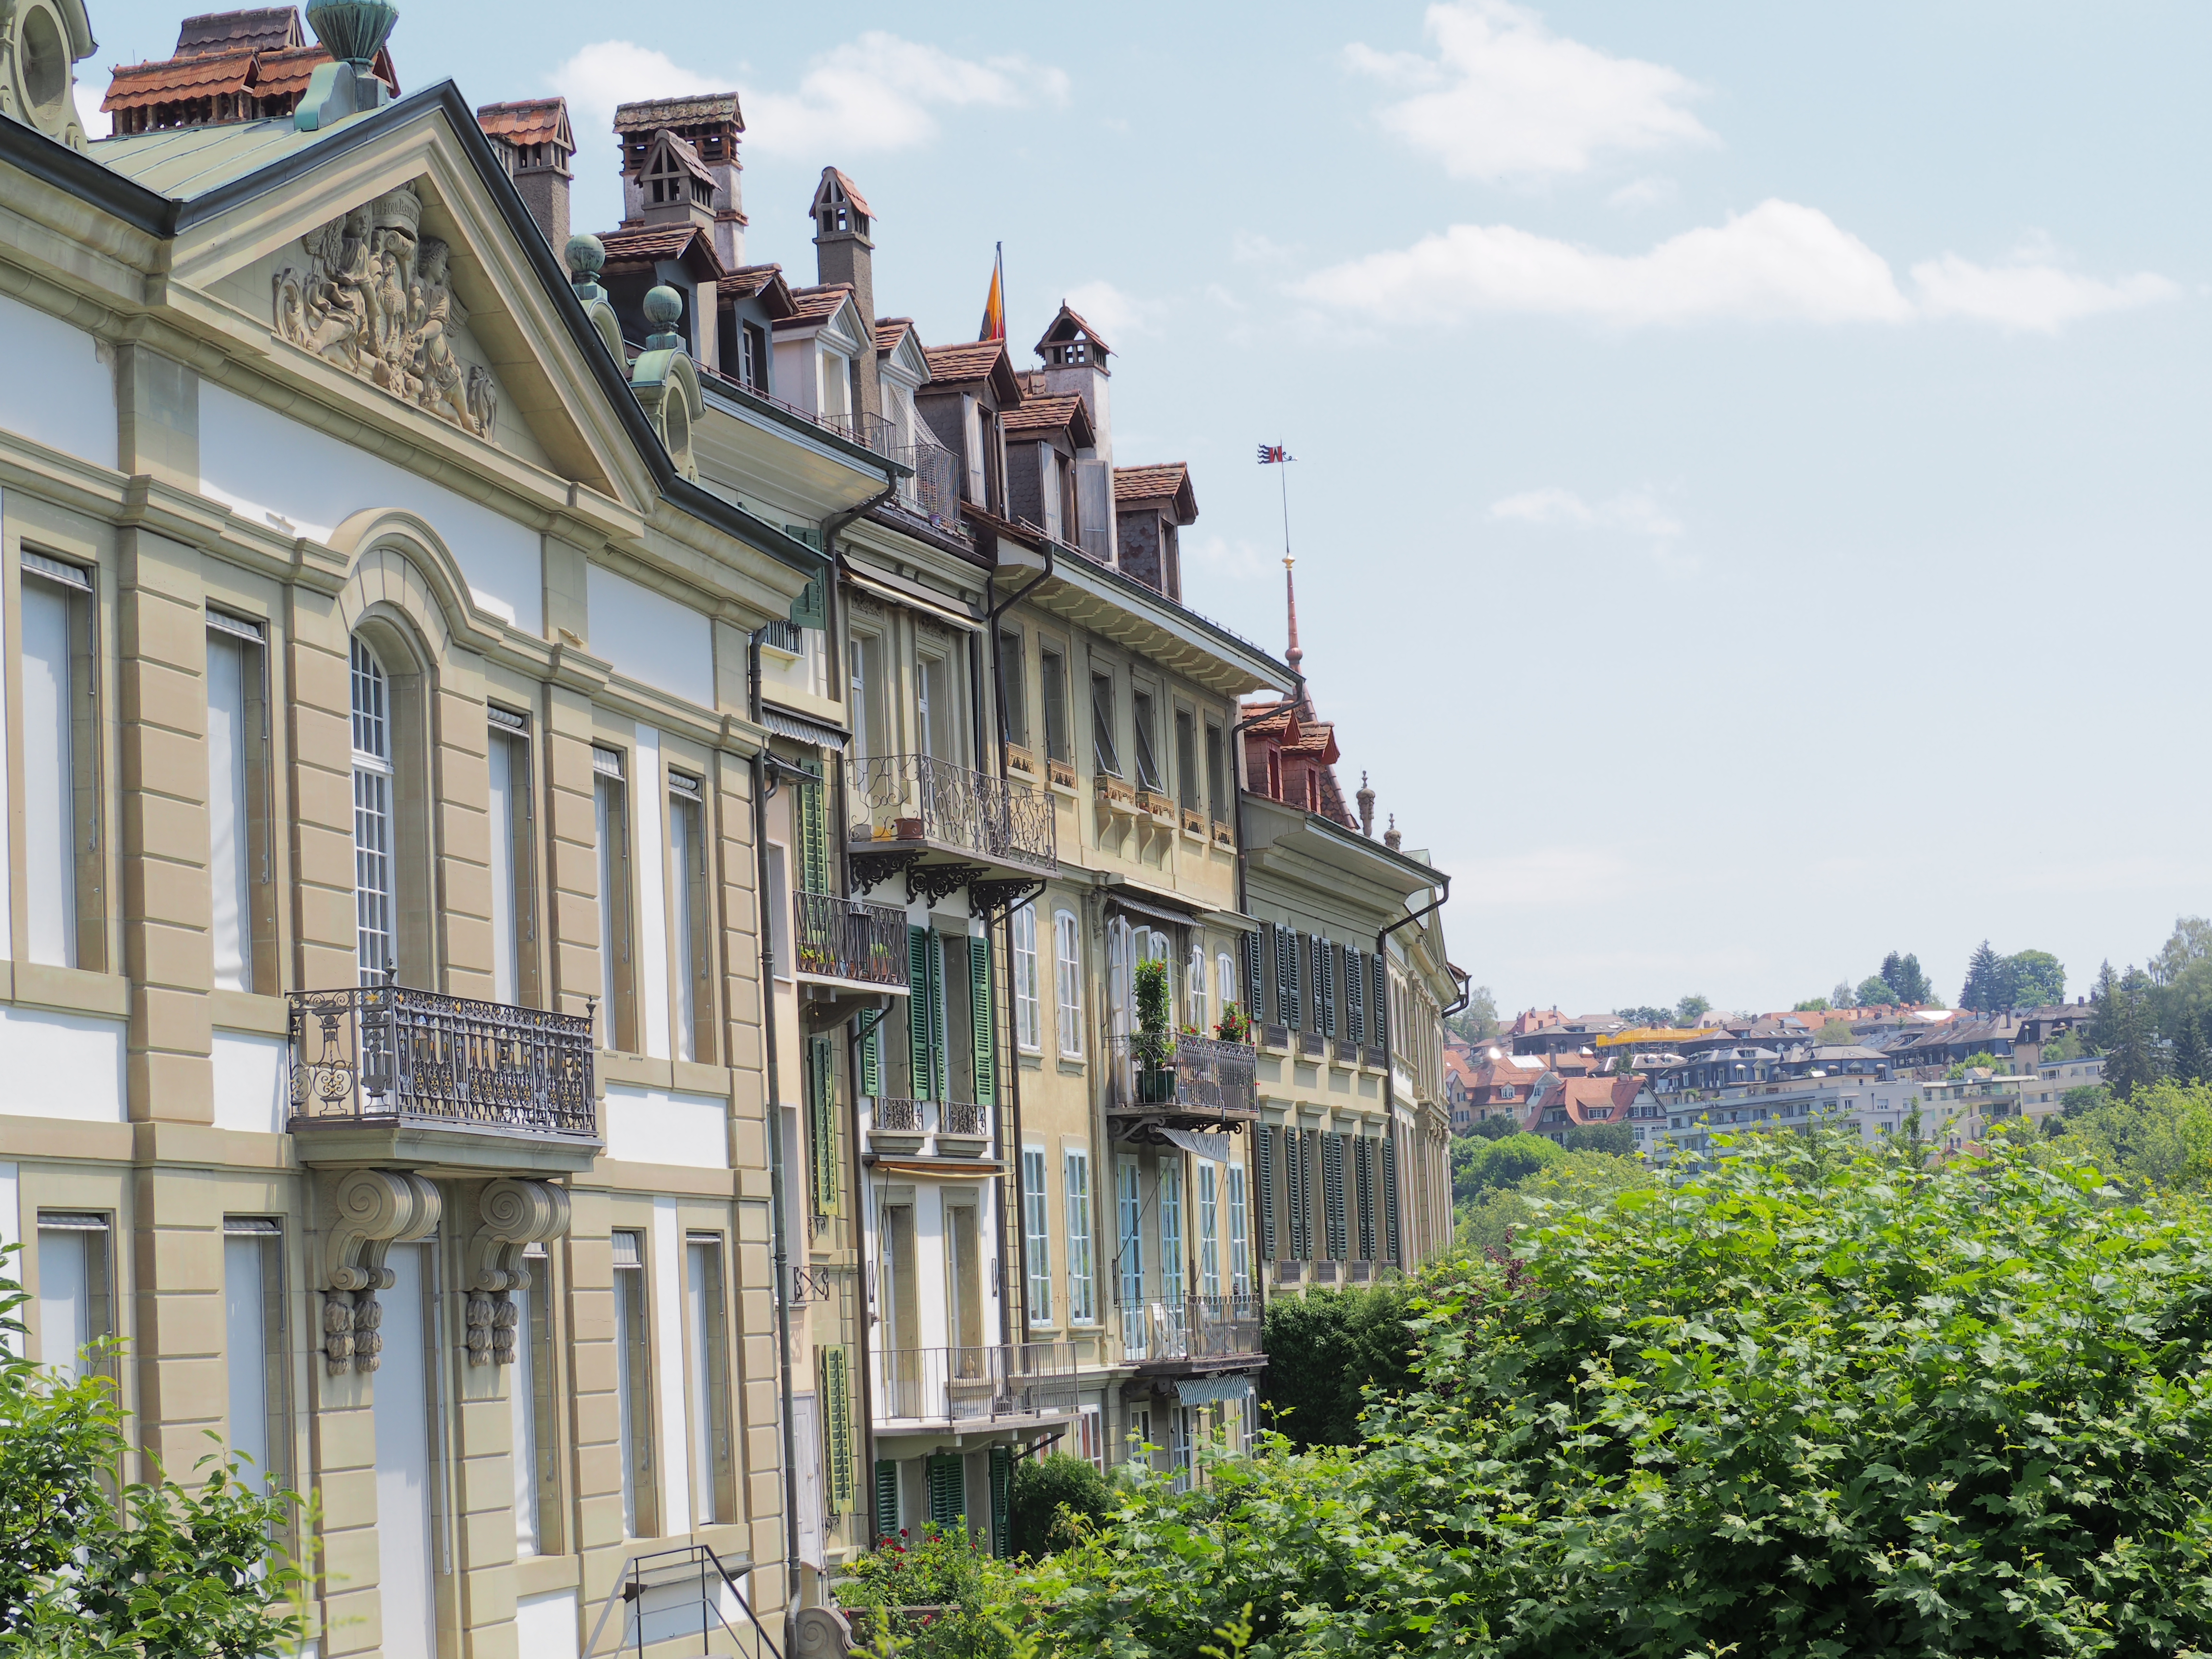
1750,508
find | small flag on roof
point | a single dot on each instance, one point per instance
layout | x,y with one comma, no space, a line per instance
1274,454
994,305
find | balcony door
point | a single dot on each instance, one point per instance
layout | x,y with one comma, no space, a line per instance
406,1580
963,1282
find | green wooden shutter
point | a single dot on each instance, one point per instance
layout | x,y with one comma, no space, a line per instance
1380,1002
1294,956
822,1102
1332,1194
814,837
887,1526
1355,993
1002,1483
810,609
948,1496
979,1003
871,1061
838,1411
1325,984
918,956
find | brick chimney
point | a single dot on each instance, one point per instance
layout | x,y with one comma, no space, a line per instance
711,124
845,252
533,139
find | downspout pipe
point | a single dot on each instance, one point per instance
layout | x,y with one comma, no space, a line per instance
993,611
778,1213
1390,1030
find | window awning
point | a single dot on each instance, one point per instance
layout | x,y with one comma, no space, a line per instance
1213,1390
1212,1148
944,606
800,729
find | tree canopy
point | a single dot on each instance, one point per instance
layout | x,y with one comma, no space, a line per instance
2026,979
1901,973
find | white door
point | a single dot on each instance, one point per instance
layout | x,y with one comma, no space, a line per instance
403,1461
806,1439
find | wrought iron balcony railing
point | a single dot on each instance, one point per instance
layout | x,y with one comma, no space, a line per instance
848,938
389,1054
920,798
933,491
976,1386
1196,1327
1204,1077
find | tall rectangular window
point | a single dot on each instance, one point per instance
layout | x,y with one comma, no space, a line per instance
1013,677
1052,686
237,826
1209,1228
61,778
513,920
1173,1286
534,1401
1067,982
617,973
1195,984
862,649
1129,1210
374,852
253,1344
932,719
1029,1028
755,356
1240,1249
1216,777
1140,720
75,1300
1186,760
633,1386
1082,1296
714,1488
690,938
1037,1232
1225,981
1104,756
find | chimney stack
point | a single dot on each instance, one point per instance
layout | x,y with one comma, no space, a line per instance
533,138
711,124
844,251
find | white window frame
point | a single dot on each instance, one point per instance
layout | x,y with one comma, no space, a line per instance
1173,1288
1082,1275
1129,1214
1193,988
1240,1235
1224,981
1037,1209
230,803
1209,1228
1067,982
376,919
1029,1015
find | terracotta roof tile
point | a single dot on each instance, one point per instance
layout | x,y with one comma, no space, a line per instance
968,362
1065,414
1147,483
851,192
817,304
528,121
645,245
652,113
890,331
265,75
767,281
1065,325
219,33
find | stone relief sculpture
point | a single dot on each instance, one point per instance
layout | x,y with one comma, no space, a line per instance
376,298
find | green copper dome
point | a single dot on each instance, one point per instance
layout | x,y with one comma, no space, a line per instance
353,31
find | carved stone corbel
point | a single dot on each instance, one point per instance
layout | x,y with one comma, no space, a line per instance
514,1214
372,1209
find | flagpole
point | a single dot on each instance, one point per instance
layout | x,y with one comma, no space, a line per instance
1284,472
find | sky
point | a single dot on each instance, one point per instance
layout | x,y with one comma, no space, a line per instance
1750,502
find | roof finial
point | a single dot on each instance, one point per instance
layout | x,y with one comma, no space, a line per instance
1293,656
1366,798
1394,838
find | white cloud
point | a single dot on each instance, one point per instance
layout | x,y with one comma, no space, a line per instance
1636,514
96,122
1639,193
2035,298
876,93
881,92
1781,261
1504,98
1113,312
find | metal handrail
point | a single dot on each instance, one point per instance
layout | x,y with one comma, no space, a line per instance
1193,1327
921,798
631,1590
980,1383
839,938
376,1052
1204,1075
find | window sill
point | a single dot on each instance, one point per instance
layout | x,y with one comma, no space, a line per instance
74,990
1071,1068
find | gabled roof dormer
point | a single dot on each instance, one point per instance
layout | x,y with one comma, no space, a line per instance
674,187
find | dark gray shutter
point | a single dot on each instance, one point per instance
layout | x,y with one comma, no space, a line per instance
1391,1195
1331,1194
1282,942
1296,1019
1263,1176
1325,984
1355,994
1255,1009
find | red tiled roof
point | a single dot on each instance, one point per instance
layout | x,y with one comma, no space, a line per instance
767,281
1052,414
265,75
1065,325
645,245
890,331
817,304
650,113
528,121
1148,483
220,34
852,191
963,363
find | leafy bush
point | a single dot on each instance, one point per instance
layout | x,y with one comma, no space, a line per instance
1325,1350
91,1566
1053,1501
1495,1128
1152,1044
1616,1138
937,1597
1481,1166
1499,1218
1822,1401
2159,1137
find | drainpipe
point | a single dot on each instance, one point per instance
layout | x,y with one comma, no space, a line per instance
778,1222
860,1220
1389,1069
1236,759
993,611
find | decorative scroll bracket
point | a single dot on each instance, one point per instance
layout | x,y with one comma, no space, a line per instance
928,883
872,870
987,897
374,1210
514,1215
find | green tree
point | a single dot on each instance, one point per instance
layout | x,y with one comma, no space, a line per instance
1835,1034
1500,1218
1645,1014
1811,1006
1053,1501
1478,1021
2187,1059
1482,1166
2123,1027
1875,991
1985,989
1495,1128
2159,1137
1325,1350
1617,1139
2033,979
92,1566
1901,973
1690,1009
1820,1403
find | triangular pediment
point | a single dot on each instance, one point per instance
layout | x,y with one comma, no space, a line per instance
389,265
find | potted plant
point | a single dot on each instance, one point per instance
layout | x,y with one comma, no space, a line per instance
1234,1025
1153,1049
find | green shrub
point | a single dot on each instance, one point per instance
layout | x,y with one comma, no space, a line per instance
937,1597
1325,1349
1480,1166
1053,1501
1615,1140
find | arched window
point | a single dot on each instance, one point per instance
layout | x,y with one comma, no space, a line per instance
375,850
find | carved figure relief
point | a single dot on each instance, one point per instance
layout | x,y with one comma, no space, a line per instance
376,298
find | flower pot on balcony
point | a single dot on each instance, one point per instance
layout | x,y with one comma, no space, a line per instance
1156,1086
906,829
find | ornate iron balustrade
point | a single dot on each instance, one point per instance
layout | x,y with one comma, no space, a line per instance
957,1118
392,1053
919,798
839,938
897,1116
976,1385
1196,1327
1204,1076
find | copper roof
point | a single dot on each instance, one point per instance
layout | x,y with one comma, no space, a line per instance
528,121
701,110
218,34
1052,414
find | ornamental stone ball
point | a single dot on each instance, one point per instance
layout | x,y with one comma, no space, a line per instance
663,307
586,255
